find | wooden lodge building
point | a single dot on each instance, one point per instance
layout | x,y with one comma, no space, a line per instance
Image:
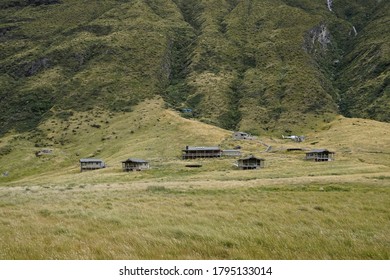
250,162
320,155
201,152
135,164
91,164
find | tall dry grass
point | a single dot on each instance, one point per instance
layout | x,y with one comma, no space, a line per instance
152,221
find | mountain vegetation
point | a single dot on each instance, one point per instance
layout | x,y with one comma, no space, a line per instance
113,79
265,66
291,209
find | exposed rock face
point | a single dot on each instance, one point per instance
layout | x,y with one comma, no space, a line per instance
319,35
37,66
329,3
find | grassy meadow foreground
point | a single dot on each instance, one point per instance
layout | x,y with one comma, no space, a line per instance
292,209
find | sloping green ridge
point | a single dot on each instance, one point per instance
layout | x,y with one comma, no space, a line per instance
275,66
365,73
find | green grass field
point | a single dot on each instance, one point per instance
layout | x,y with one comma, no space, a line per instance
291,209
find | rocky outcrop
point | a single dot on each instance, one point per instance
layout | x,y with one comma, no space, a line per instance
329,4
317,38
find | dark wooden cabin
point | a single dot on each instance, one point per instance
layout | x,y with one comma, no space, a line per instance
91,164
201,152
250,162
135,164
320,155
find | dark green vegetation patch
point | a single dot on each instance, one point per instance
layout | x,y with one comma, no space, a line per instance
275,66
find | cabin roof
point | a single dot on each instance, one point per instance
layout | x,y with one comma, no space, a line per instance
251,157
319,151
90,160
192,148
136,160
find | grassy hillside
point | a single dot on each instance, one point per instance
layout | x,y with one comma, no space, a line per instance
261,66
52,211
150,131
364,77
108,79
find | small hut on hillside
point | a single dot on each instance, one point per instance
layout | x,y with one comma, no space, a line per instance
201,152
320,155
91,164
250,162
231,153
238,135
135,164
43,152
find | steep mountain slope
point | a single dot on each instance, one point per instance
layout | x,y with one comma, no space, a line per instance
78,55
275,66
364,75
